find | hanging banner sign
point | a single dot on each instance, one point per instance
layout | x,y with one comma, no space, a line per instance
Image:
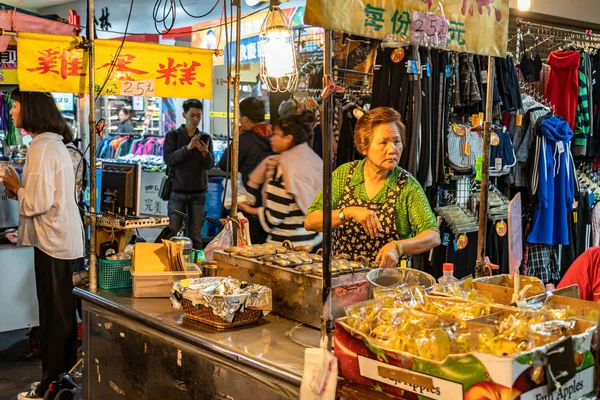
53,63
473,26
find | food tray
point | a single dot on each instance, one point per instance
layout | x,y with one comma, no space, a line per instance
205,315
114,274
159,284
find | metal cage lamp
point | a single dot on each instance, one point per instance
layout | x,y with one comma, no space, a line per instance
278,66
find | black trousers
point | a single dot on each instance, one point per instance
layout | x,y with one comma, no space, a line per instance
58,322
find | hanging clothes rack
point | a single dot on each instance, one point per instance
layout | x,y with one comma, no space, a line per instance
546,34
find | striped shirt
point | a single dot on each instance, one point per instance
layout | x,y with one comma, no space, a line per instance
281,217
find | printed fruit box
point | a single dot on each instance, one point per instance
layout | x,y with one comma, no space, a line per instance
471,376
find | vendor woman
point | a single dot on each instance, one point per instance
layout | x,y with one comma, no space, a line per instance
379,210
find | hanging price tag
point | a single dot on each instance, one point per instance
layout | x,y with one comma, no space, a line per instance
415,67
475,120
494,139
466,149
561,147
397,55
428,69
498,164
448,71
519,120
429,28
501,228
139,88
481,117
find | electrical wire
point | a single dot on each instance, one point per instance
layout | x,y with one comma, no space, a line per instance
169,10
117,54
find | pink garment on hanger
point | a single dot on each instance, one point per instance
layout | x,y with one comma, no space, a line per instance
149,146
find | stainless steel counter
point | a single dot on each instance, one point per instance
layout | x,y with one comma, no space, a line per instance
262,354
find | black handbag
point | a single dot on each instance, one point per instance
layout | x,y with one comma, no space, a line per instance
165,187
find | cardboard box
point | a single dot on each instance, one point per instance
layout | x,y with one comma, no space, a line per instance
502,291
584,309
473,376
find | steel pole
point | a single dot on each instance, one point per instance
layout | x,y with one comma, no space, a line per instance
326,123
235,144
92,133
485,171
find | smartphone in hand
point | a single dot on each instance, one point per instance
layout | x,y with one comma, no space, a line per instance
205,138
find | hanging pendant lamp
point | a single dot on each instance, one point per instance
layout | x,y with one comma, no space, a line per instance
278,66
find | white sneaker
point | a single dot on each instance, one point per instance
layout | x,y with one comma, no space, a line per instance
29,395
34,385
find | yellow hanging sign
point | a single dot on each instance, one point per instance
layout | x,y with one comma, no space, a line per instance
473,26
54,63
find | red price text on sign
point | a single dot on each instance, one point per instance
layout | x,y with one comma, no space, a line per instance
428,28
139,88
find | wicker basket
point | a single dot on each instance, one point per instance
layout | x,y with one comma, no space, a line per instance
205,315
114,274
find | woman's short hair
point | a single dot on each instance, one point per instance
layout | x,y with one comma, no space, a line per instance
365,127
40,114
299,126
125,110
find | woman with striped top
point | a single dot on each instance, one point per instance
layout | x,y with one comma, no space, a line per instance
290,181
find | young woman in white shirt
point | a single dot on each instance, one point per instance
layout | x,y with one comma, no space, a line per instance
49,221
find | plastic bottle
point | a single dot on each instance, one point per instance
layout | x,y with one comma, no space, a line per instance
448,276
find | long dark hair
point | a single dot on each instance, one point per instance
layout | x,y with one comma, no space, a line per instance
40,114
299,126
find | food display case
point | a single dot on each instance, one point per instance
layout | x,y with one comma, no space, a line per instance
296,295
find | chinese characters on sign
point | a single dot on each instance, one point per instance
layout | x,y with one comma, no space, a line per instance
8,59
121,70
374,17
249,50
150,200
481,6
172,73
66,63
48,62
104,24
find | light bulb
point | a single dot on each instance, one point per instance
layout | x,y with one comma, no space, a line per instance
524,5
279,53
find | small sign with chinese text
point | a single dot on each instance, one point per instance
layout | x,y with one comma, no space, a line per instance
429,29
141,88
47,62
474,26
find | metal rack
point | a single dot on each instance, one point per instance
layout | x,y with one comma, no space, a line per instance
546,38
107,221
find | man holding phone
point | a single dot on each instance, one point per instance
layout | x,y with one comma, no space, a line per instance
188,153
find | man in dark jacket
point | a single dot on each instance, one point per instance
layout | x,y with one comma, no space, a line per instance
255,146
189,158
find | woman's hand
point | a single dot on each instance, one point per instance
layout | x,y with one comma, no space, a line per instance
248,209
388,256
10,179
367,218
10,195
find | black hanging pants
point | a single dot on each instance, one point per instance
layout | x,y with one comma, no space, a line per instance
58,321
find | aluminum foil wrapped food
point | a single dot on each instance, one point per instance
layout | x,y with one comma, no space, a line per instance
224,295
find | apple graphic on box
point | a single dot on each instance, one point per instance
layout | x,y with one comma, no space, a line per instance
487,390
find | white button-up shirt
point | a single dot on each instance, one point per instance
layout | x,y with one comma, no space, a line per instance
49,218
